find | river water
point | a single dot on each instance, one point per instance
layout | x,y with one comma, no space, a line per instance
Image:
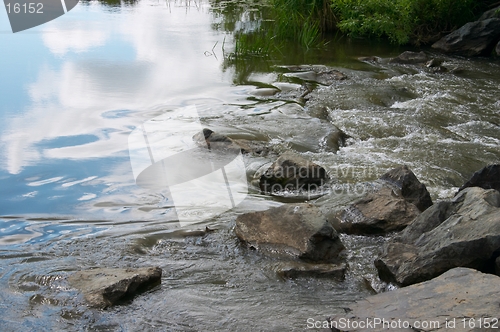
73,91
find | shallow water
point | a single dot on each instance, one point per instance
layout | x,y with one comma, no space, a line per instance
73,91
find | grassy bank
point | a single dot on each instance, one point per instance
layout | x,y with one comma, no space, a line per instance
402,22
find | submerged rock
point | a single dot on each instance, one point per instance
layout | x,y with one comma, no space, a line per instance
103,287
303,269
291,172
215,141
486,178
409,57
297,230
474,38
439,304
392,207
463,232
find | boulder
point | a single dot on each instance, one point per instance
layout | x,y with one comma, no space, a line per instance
487,178
296,230
474,38
456,300
492,13
103,287
377,213
398,200
409,57
291,172
463,232
411,189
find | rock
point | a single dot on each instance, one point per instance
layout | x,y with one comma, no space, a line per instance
378,213
369,59
492,13
302,269
298,230
215,141
291,172
411,189
439,304
463,232
434,63
474,38
487,178
103,287
497,266
409,57
497,49
398,200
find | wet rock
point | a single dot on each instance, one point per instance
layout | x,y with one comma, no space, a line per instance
291,172
395,203
497,49
412,190
103,287
297,230
215,141
369,59
487,178
318,74
474,38
434,63
463,232
439,304
409,57
377,213
492,13
303,269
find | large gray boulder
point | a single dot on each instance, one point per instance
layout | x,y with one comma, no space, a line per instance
291,172
103,287
297,230
463,232
474,38
454,301
487,178
392,207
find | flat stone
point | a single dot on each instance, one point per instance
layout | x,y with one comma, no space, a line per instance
103,287
296,230
445,303
303,269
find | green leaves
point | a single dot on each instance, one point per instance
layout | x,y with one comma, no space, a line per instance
402,21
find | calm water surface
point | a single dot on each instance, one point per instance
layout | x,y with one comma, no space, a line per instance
72,91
